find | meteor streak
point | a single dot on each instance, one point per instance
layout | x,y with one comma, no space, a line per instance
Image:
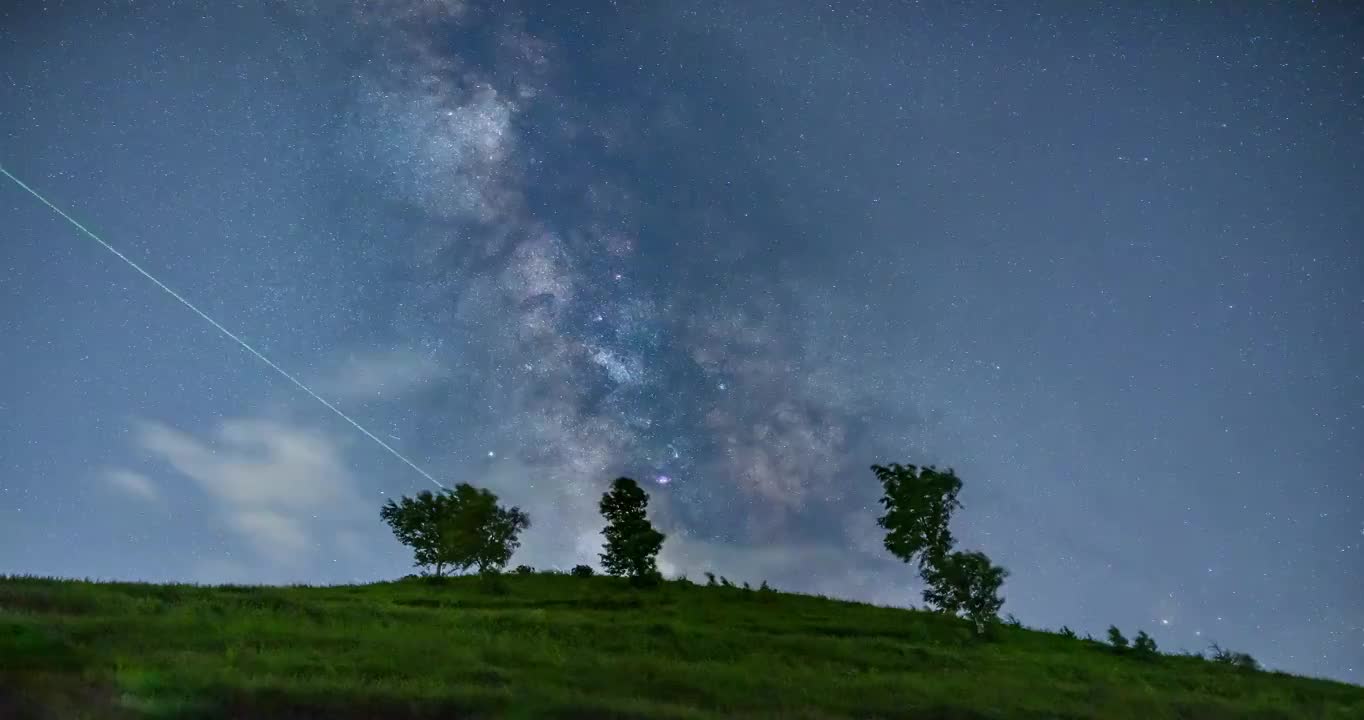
221,329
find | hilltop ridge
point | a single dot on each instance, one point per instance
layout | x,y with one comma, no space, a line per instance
558,646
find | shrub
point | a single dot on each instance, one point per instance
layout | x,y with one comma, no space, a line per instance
710,579
1116,639
583,571
524,570
1239,660
724,582
1066,632
764,587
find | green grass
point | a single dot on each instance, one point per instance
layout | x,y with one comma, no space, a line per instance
556,646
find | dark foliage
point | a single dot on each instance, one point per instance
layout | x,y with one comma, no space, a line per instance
1143,644
966,583
632,543
1116,638
1240,660
919,504
456,529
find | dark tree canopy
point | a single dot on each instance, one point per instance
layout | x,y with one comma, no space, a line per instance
966,583
919,504
632,543
459,528
416,522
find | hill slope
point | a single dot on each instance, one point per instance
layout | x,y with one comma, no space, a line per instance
561,646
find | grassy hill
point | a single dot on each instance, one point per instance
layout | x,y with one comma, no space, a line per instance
550,645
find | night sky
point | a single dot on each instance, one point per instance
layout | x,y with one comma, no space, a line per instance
1107,265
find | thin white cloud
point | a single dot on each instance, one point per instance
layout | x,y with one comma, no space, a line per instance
384,375
271,480
134,484
274,534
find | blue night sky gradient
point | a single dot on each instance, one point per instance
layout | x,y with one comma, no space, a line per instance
1105,264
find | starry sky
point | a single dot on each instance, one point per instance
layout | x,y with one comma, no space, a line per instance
1107,265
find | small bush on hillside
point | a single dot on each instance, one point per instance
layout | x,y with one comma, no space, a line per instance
746,585
1066,632
1012,621
1116,639
724,582
1144,645
1240,660
524,570
583,571
710,579
764,587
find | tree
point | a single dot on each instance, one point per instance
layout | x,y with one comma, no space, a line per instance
918,503
1144,644
459,528
632,543
417,522
1116,639
484,534
965,583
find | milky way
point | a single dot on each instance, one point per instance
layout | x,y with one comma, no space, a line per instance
1106,266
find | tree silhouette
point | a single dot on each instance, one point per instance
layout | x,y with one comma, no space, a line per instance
459,528
417,523
1144,644
632,543
965,583
1116,639
919,504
